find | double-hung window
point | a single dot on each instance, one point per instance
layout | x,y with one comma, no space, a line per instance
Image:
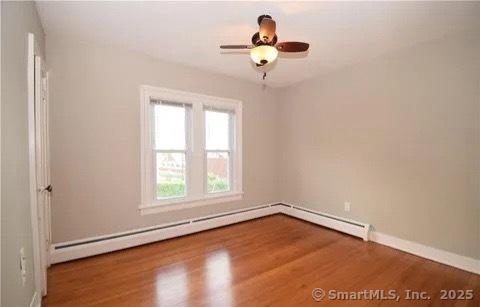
218,150
191,150
171,126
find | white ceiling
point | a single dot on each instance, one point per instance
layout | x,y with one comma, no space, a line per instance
339,33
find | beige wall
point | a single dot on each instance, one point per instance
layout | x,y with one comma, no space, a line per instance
95,135
18,19
398,137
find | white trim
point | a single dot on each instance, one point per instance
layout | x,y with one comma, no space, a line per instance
48,215
176,204
36,300
231,151
149,235
187,227
1,206
345,225
418,249
428,252
195,177
37,273
121,240
163,93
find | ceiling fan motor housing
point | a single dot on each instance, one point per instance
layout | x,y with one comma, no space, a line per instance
256,41
260,18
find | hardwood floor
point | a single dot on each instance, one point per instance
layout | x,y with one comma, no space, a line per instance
275,260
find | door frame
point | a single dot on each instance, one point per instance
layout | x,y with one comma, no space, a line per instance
47,210
1,205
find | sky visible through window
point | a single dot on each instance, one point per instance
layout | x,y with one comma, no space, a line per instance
169,127
217,130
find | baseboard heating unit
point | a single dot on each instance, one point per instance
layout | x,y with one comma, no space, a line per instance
348,226
71,250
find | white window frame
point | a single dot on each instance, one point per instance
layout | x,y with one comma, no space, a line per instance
231,145
187,151
196,193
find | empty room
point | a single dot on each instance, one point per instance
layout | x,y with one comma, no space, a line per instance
240,153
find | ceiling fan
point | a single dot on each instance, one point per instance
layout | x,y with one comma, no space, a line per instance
264,48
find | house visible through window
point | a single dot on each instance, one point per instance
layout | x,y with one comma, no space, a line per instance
191,150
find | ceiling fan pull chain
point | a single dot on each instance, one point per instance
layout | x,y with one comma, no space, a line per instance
264,75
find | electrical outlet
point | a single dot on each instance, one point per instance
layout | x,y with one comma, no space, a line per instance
347,206
23,266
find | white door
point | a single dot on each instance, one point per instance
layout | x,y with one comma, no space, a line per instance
38,164
44,187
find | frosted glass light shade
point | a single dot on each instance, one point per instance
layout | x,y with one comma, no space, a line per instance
263,54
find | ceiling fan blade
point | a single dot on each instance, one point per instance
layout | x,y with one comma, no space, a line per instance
235,46
292,46
267,29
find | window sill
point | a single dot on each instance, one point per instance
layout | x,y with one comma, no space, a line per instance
179,204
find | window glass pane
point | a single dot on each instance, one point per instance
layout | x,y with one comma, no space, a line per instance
217,125
218,172
169,127
170,175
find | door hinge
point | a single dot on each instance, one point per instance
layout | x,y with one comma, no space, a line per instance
48,188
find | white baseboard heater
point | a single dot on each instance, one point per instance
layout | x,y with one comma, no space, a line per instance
341,224
71,250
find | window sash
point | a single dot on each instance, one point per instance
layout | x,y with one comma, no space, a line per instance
187,151
231,153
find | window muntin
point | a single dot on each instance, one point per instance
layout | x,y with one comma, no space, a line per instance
170,149
218,150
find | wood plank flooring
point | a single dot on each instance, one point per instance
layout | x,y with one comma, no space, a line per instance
272,261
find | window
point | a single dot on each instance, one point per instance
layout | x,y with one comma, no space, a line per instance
218,146
170,145
191,150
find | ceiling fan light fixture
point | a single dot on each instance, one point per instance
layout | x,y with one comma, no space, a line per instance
263,54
